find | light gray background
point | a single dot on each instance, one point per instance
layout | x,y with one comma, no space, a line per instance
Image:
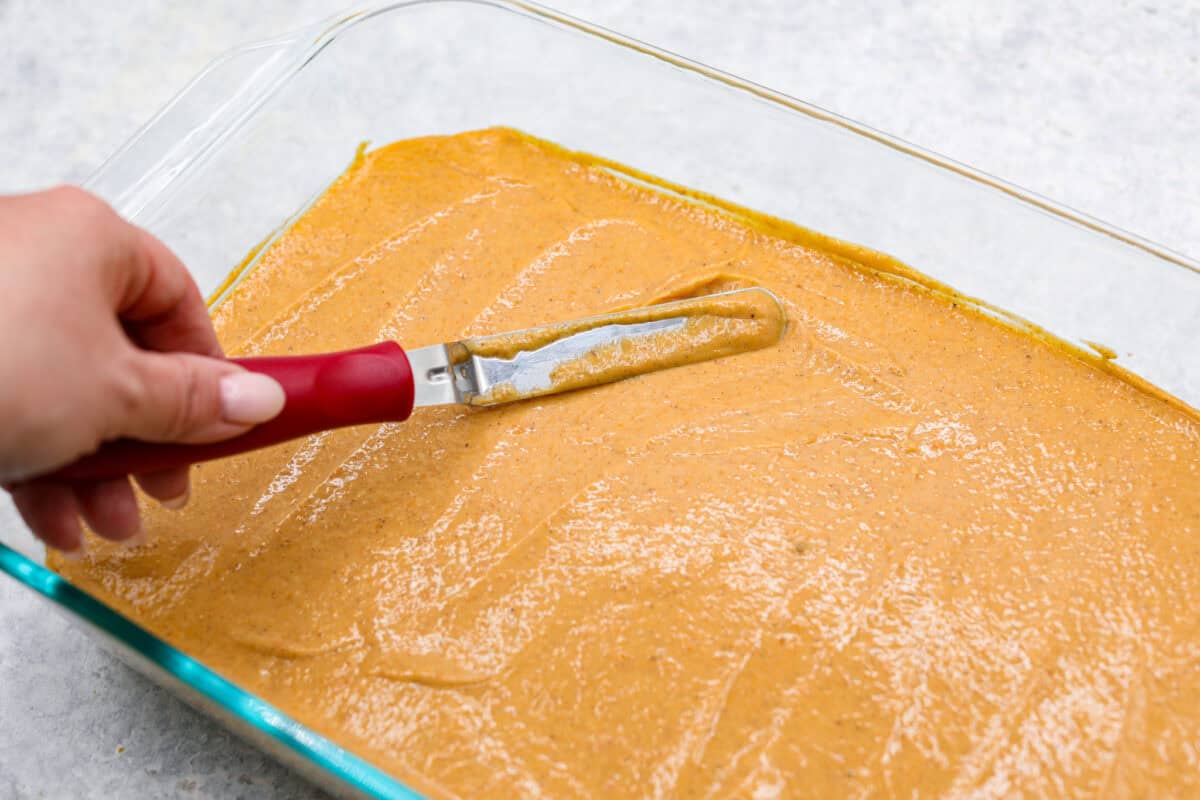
1093,104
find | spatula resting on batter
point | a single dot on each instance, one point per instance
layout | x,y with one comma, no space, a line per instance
383,383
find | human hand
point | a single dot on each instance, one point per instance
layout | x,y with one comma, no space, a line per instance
103,335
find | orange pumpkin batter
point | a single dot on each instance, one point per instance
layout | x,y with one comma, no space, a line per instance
906,550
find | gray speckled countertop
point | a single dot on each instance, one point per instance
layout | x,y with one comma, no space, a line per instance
1096,105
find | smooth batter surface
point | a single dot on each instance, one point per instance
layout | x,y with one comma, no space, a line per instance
905,551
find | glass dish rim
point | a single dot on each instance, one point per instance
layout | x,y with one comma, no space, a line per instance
302,46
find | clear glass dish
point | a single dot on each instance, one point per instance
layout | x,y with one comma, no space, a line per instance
264,129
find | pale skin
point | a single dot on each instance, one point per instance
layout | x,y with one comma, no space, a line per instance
103,335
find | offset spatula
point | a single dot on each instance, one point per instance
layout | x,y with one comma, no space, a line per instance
383,383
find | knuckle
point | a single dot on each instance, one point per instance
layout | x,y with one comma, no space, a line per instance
83,208
188,400
77,200
68,194
129,387
178,399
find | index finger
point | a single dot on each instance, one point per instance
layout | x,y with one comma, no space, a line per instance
161,307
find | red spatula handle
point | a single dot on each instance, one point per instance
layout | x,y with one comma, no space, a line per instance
353,387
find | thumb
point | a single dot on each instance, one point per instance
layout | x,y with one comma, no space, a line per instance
183,397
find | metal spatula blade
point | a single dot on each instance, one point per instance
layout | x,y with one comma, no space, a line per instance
524,364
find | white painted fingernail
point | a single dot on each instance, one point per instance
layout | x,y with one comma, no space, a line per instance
137,540
177,502
77,553
248,398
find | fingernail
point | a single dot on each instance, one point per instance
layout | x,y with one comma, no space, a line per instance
248,398
177,502
137,540
76,554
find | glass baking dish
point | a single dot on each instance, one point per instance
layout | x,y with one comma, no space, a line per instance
264,129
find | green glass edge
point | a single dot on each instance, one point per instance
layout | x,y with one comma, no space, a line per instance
266,718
